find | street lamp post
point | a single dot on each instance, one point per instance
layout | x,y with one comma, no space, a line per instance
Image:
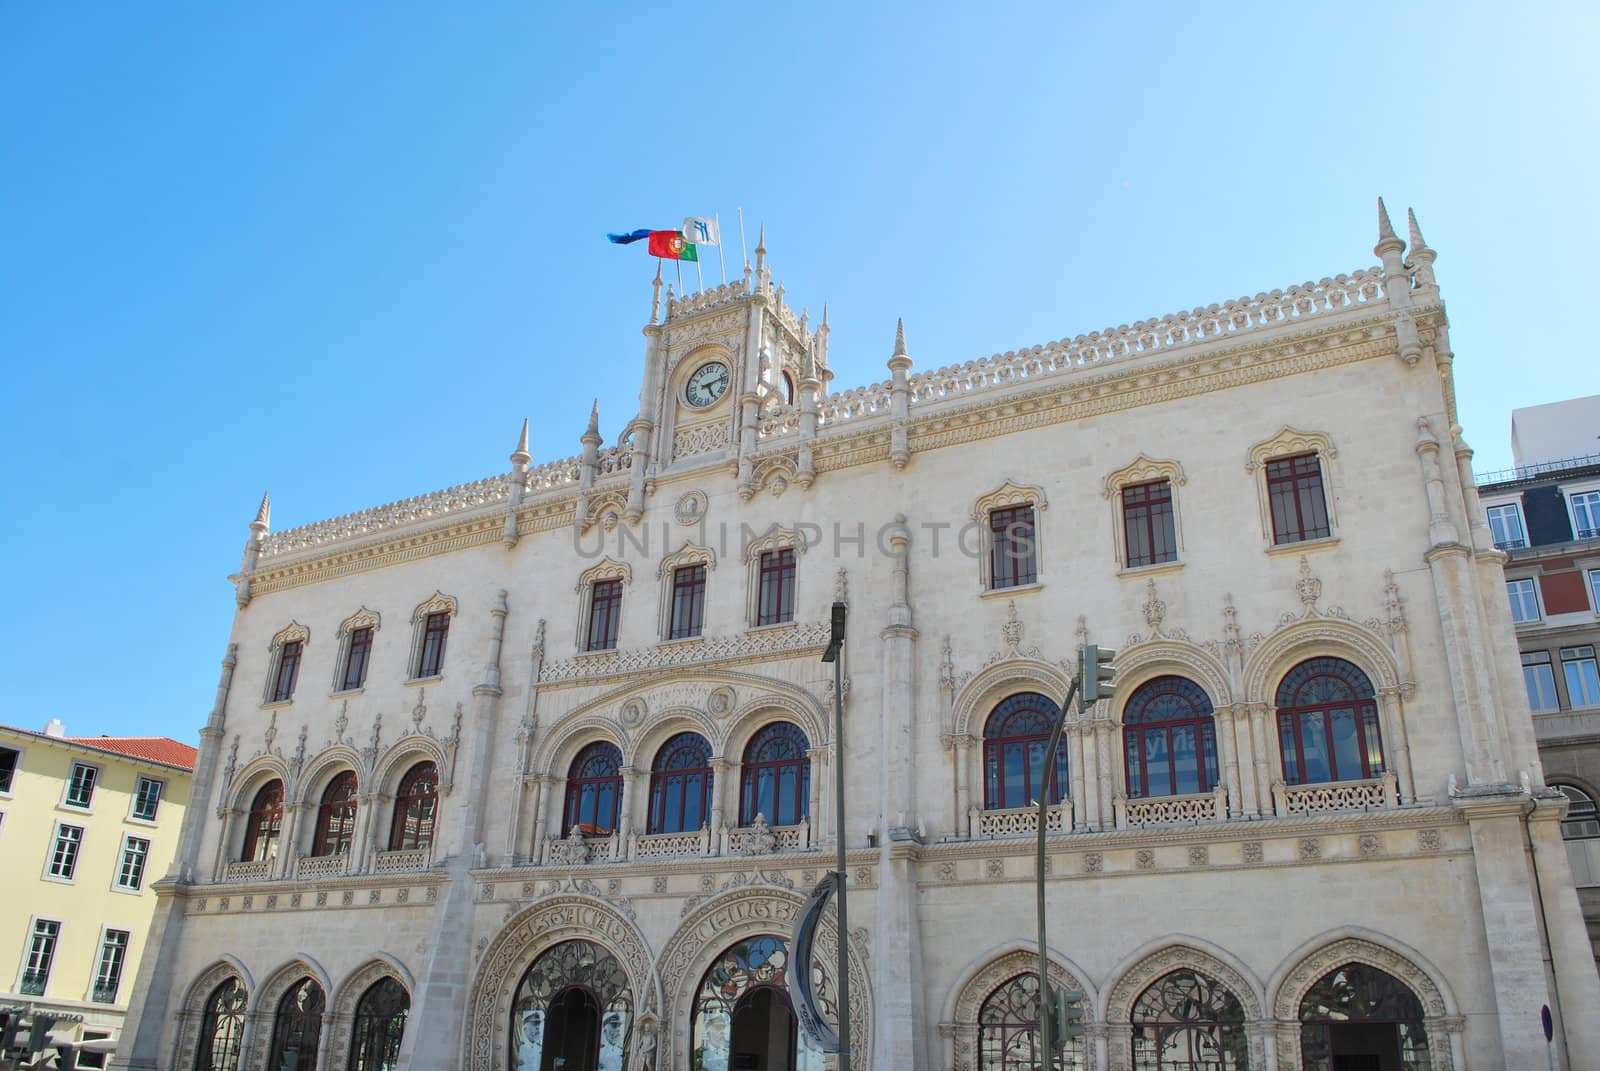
835,646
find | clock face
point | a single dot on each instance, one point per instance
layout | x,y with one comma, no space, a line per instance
708,383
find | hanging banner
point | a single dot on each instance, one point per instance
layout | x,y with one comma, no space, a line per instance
799,975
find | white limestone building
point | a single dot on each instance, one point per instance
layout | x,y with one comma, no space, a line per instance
529,773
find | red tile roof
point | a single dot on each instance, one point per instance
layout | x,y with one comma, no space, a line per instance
150,748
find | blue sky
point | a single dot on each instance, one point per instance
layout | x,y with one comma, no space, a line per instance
340,251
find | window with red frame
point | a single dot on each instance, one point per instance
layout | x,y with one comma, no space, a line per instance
415,807
1328,723
688,602
430,659
775,591
1299,506
594,791
356,659
1013,560
336,816
263,824
1014,742
605,614
1169,740
1149,534
775,778
680,785
288,671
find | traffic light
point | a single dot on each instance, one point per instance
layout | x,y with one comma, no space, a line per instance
1096,673
9,1021
1066,1017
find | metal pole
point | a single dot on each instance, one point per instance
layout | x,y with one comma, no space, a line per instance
839,863
1045,1025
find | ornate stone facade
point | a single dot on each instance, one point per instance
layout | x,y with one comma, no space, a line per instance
1254,872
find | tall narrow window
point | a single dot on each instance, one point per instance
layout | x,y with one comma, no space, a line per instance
135,853
1328,723
336,816
222,1028
1585,514
263,824
1505,524
64,854
1147,524
1012,558
1583,681
430,660
41,954
1594,601
594,791
8,767
357,659
775,778
1524,601
147,799
80,789
688,602
680,785
1299,508
379,1027
297,1030
1169,739
288,672
1014,742
108,972
605,615
1539,674
415,807
776,600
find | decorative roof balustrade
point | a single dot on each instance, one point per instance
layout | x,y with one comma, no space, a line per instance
704,300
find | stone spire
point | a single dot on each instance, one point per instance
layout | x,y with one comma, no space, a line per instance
252,550
520,456
900,337
1421,259
593,430
1397,287
263,519
655,295
1387,239
899,399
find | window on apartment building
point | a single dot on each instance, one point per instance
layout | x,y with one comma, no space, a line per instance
775,601
1505,522
288,671
605,615
415,806
1583,818
147,798
93,1061
336,816
263,824
1585,514
430,656
1594,589
9,759
688,602
64,853
1148,530
1583,680
1295,495
1524,600
41,954
80,787
108,973
1013,548
1540,677
356,659
135,853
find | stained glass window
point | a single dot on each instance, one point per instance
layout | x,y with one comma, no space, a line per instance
1014,742
728,991
564,977
1188,1021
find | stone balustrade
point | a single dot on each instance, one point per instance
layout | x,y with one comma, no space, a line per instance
251,870
1167,810
662,845
1018,821
1369,795
400,861
312,867
759,838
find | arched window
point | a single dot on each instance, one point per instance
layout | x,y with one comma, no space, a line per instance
742,1015
221,1028
336,816
1014,742
680,785
1328,723
1581,821
1008,1029
298,1028
1187,1021
379,1027
1357,1010
594,791
264,824
776,778
415,806
1169,740
572,1009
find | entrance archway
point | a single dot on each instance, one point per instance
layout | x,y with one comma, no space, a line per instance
1359,1018
743,1020
572,1011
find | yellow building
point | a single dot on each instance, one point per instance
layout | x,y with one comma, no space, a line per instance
86,826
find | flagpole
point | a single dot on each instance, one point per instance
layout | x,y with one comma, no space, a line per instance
743,251
717,219
698,278
679,265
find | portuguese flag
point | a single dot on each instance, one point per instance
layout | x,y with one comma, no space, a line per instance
672,246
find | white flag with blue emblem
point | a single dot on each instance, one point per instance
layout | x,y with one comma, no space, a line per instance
701,231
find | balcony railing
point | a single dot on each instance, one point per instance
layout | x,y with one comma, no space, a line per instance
657,845
1588,533
252,870
1369,795
33,983
400,861
312,867
1544,468
1167,810
1510,544
758,838
1018,821
104,993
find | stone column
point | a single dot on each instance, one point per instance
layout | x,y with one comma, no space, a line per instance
1576,985
1258,746
630,789
1106,734
963,772
288,840
1244,757
719,790
1075,760
1259,1034
822,817
1092,802
1397,742
1229,749
1099,1058
550,813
